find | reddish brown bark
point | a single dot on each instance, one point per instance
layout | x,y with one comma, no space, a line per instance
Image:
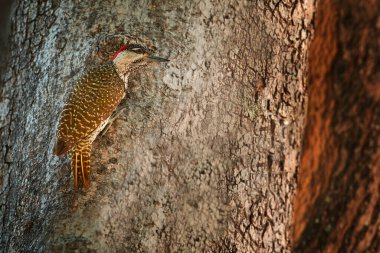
337,205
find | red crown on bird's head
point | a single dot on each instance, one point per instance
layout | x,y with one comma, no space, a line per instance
124,47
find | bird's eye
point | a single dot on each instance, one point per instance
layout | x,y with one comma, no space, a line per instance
138,60
137,50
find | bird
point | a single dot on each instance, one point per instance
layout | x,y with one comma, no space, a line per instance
92,104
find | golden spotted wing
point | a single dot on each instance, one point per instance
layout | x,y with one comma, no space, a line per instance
95,96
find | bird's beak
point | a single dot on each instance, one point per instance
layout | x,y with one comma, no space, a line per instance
151,58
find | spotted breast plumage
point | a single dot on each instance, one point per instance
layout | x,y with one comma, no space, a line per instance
89,107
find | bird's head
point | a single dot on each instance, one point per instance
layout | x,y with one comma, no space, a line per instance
133,56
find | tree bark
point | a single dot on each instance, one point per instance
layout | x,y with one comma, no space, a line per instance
337,206
204,159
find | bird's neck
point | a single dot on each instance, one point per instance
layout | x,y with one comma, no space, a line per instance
122,68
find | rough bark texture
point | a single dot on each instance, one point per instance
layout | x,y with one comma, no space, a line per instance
204,159
337,207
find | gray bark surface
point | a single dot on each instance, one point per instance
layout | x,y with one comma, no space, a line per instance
204,159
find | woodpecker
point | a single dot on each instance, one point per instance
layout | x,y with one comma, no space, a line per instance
90,106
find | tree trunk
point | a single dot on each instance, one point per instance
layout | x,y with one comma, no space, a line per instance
337,207
205,157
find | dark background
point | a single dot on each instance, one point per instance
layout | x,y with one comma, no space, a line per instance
5,7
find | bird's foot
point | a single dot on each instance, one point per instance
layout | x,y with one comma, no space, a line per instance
113,117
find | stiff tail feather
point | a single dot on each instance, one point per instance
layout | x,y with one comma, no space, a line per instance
81,165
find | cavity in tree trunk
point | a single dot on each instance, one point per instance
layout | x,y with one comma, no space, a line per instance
205,157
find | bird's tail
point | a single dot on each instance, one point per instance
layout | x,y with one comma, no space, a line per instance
81,165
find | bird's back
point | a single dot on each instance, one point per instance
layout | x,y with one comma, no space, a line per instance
95,96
